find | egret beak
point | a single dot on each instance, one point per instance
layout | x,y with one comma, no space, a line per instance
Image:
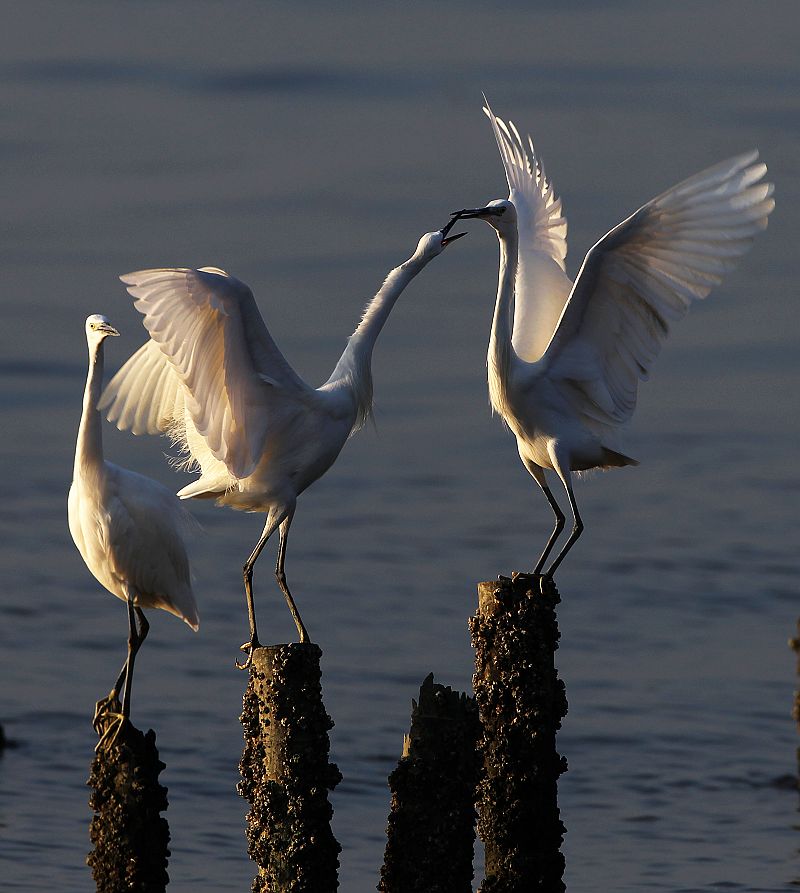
446,229
470,213
106,329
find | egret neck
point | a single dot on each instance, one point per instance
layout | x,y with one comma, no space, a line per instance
89,447
500,350
355,363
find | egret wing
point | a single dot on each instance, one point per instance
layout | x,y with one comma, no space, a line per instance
235,380
146,394
645,273
542,285
145,526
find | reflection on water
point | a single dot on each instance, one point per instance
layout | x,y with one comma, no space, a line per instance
306,151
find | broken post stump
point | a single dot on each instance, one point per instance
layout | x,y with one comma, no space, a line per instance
521,702
285,772
129,835
431,830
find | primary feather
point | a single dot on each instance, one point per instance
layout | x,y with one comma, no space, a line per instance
542,285
645,273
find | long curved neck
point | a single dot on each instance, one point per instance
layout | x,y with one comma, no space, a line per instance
89,448
355,364
500,350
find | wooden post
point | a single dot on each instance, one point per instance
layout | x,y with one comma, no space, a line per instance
521,702
285,772
431,832
130,838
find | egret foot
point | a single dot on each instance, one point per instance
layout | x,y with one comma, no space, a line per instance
108,705
115,722
248,648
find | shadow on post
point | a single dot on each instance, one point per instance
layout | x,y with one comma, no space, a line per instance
521,702
431,830
129,835
285,772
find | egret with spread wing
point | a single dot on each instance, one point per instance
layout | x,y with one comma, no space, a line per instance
129,531
564,359
212,377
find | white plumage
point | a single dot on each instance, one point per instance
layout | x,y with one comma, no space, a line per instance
127,527
213,378
564,374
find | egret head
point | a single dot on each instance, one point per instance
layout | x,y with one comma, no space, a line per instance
500,214
433,244
98,328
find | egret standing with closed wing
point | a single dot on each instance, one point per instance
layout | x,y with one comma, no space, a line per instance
128,529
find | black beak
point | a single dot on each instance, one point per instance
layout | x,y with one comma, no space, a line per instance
470,213
446,229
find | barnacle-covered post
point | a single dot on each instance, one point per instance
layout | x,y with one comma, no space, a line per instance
521,702
431,832
285,772
129,835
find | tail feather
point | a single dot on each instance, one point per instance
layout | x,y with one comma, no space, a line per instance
613,459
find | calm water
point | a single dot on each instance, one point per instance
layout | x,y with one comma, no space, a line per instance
306,151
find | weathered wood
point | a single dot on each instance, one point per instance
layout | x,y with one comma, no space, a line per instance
129,835
431,829
521,703
285,772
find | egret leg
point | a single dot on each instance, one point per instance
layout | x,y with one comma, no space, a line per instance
281,578
538,475
136,637
274,518
106,704
577,525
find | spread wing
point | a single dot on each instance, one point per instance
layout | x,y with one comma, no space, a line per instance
542,285
217,362
146,395
645,273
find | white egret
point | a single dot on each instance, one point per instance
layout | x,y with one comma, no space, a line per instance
564,373
212,377
128,529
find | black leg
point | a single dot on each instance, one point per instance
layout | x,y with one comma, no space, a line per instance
107,711
538,475
281,578
577,524
274,518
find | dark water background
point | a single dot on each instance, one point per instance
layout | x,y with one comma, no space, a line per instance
305,147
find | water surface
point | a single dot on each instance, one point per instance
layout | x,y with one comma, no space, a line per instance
306,150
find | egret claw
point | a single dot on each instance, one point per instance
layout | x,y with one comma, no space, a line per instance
247,648
109,737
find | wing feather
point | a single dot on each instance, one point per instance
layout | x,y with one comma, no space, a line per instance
542,286
644,274
233,380
144,394
146,528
